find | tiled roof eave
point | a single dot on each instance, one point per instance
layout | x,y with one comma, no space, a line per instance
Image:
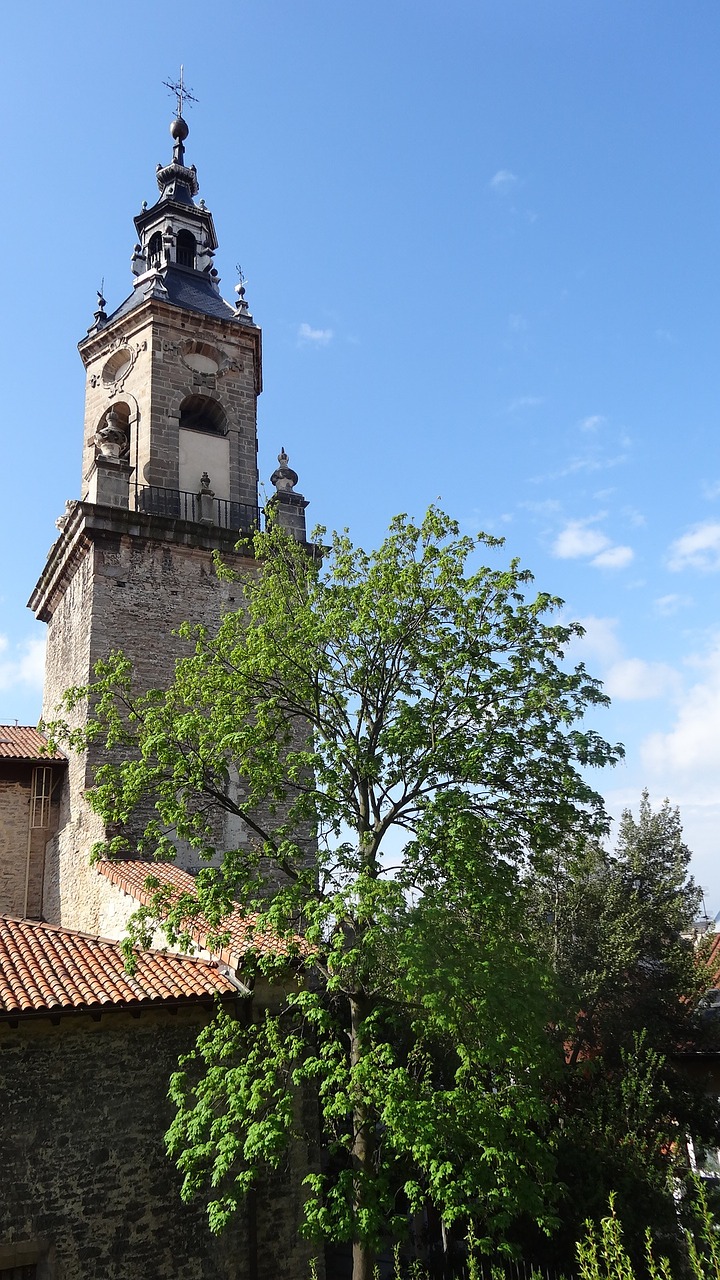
55,1013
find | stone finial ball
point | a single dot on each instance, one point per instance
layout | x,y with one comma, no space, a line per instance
179,129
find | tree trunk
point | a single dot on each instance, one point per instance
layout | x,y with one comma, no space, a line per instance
363,1140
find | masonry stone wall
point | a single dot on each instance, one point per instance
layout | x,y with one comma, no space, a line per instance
85,1178
131,592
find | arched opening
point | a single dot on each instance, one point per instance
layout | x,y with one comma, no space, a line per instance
200,413
154,251
185,249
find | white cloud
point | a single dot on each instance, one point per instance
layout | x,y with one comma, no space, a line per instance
318,337
600,642
625,679
699,548
592,422
22,665
711,489
688,755
503,181
667,605
634,679
614,558
577,540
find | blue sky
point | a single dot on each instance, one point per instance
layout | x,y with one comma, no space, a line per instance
482,242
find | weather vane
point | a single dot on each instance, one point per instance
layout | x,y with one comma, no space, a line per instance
179,89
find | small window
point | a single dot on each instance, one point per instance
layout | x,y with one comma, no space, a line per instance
185,251
40,800
154,251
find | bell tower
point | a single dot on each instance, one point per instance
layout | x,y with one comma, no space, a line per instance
169,477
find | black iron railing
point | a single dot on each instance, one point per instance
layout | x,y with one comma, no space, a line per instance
177,504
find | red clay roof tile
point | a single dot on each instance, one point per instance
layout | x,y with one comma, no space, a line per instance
47,969
23,742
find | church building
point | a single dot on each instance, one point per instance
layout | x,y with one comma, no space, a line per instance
168,479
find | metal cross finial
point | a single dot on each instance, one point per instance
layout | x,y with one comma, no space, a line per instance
182,93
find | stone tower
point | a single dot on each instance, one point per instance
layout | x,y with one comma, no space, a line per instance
169,476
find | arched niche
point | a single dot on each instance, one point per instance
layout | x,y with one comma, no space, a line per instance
112,434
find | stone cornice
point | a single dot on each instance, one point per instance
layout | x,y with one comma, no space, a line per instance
155,309
88,523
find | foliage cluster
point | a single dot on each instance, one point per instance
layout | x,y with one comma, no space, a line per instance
401,737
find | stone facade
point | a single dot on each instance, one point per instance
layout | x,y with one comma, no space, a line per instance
162,346
87,1189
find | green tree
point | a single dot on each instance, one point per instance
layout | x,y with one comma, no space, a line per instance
407,738
617,929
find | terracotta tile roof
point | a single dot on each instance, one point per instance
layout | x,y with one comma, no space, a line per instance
132,877
45,969
23,742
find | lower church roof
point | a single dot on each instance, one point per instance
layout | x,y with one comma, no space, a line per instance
157,884
45,969
24,742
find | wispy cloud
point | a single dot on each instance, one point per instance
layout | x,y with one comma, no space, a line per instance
316,337
699,548
711,489
524,402
592,423
587,464
503,181
670,604
22,664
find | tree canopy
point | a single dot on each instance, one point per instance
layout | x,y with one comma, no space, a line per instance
400,735
617,928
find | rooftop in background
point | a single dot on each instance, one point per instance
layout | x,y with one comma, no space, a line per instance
47,970
24,742
133,876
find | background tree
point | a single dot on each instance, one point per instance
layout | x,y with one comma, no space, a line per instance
617,928
407,738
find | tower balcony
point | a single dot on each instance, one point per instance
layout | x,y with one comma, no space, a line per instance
197,508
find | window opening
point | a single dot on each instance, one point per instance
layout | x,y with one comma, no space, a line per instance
185,251
40,801
200,413
154,251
